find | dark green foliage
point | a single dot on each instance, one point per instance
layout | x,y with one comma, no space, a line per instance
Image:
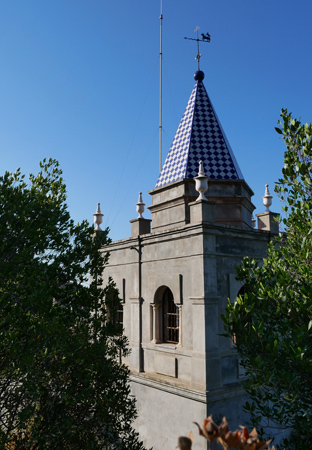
272,321
61,382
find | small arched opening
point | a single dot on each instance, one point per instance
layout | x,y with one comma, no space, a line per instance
166,317
114,312
170,313
243,290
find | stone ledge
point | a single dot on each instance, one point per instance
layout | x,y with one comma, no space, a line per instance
170,388
205,300
226,392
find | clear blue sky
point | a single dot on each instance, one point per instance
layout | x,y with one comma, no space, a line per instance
80,83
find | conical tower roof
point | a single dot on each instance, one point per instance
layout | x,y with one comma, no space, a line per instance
200,136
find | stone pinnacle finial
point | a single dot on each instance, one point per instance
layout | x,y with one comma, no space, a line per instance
98,218
267,199
201,181
140,206
201,172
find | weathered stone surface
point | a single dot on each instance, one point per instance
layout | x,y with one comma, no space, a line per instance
196,260
140,226
267,221
166,365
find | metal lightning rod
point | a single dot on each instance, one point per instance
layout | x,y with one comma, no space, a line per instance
160,88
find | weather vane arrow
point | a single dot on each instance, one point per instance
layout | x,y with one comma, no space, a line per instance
205,38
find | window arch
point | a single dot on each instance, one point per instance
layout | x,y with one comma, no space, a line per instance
170,318
114,311
243,290
165,318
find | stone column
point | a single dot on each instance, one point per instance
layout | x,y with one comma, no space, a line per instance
155,339
140,226
180,326
202,211
268,221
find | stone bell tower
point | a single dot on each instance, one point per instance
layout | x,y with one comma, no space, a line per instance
175,276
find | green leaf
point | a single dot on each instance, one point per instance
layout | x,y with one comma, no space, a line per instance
58,357
273,319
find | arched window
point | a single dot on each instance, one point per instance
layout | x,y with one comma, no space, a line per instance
170,315
114,311
243,290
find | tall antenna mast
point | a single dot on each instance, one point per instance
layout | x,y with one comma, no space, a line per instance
160,93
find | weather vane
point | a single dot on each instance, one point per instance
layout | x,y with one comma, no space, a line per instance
205,38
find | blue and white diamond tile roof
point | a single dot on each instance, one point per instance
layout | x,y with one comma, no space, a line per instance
199,137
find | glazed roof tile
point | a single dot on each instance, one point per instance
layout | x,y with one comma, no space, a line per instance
199,137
